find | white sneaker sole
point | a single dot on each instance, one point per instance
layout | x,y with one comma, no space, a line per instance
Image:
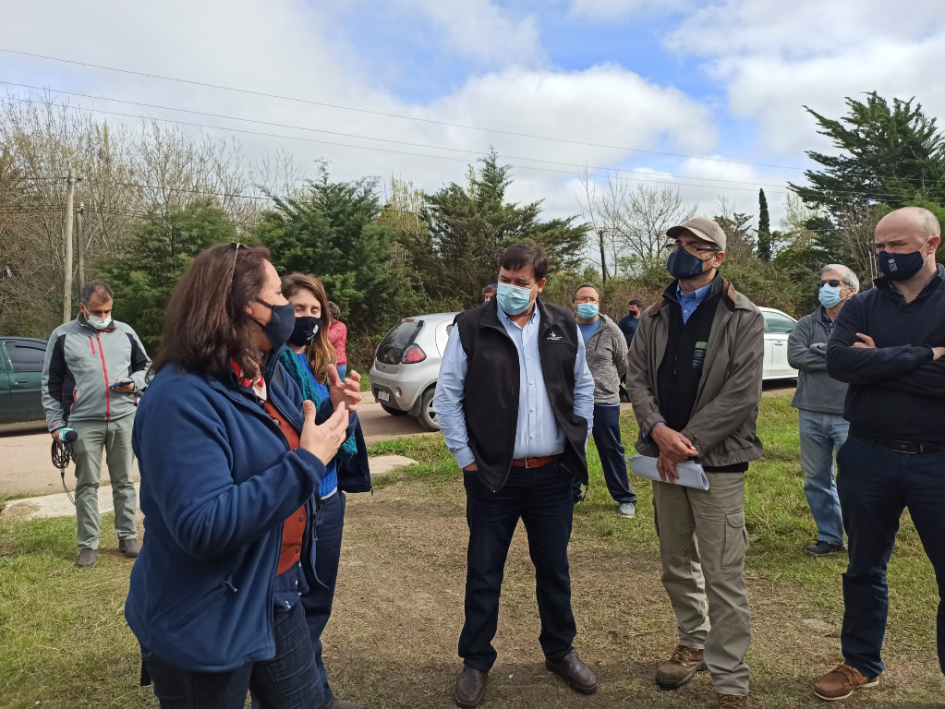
868,685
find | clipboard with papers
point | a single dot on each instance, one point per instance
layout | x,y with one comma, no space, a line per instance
690,474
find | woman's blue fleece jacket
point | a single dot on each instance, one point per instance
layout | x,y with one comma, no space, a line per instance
217,483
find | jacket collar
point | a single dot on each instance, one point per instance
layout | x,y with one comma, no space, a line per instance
490,316
720,286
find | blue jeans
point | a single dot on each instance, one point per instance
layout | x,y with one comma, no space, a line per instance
612,454
342,370
876,485
288,681
822,434
542,498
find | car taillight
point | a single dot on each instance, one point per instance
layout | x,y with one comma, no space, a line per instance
412,355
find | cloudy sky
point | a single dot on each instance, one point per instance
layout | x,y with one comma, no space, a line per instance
704,94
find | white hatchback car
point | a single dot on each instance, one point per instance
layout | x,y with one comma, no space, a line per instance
778,326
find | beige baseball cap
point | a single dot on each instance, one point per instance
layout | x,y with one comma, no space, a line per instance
704,228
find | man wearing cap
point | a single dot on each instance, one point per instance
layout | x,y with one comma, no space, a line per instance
695,384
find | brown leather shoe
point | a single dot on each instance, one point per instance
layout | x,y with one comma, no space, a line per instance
572,670
842,683
129,547
87,558
732,701
681,667
470,688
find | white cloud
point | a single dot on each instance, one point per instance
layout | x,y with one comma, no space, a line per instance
622,9
483,31
814,53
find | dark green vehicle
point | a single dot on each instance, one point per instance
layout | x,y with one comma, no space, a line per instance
21,379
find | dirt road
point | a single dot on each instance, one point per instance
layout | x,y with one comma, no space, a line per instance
25,465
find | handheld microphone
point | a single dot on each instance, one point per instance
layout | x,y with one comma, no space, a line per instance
68,435
63,451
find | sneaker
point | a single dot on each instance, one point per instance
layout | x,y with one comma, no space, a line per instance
87,558
681,667
626,509
822,548
842,683
733,701
129,547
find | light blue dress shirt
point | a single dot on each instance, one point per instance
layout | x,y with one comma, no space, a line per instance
537,433
690,301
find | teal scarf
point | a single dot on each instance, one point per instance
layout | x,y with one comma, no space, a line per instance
303,378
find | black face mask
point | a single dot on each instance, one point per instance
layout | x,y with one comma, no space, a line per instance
280,325
900,267
305,330
682,265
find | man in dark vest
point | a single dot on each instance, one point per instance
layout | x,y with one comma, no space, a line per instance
695,384
515,401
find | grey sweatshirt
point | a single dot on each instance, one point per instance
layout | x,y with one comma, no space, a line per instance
81,365
807,352
607,360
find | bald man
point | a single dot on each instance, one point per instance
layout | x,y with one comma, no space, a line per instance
888,346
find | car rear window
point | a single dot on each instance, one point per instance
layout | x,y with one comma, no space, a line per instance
401,336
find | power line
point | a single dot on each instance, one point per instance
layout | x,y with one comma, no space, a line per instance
390,115
369,148
366,137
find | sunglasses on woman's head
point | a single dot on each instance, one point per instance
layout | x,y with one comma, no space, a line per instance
833,283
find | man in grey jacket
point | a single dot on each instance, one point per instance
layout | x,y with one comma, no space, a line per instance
94,369
695,384
819,401
606,350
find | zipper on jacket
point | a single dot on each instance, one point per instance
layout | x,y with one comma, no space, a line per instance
75,399
108,392
92,344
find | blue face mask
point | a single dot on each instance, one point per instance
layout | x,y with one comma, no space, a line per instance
305,330
682,265
280,325
829,296
513,299
588,311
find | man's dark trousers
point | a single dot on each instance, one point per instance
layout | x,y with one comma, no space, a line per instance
542,498
611,451
875,485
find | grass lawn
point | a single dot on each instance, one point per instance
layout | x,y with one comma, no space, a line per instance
392,640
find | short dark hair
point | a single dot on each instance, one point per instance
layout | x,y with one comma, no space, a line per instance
489,289
587,285
525,254
638,303
102,290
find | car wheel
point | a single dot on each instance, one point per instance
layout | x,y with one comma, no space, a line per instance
428,417
392,411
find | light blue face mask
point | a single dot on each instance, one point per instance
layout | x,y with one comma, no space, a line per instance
588,311
829,295
513,299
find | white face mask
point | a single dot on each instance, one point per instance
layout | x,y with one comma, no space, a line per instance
97,322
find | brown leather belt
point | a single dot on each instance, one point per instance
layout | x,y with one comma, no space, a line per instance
535,462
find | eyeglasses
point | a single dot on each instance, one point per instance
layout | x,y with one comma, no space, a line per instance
586,299
673,246
236,252
833,283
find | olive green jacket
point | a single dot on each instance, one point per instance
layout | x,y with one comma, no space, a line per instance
723,423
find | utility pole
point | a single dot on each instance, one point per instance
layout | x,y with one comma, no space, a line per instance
80,245
603,256
67,240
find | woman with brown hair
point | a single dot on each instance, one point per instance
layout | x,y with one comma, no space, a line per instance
310,362
230,459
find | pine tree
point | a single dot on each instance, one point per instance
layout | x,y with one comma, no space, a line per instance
764,228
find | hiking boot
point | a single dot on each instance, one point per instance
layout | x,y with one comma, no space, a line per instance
681,667
470,688
338,704
822,548
732,701
87,558
627,509
842,683
572,670
129,547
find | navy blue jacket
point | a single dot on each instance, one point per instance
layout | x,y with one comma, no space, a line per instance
896,391
628,326
217,483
